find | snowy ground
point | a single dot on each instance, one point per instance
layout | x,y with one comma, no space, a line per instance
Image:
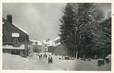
13,62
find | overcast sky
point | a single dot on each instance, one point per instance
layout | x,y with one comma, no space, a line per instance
40,20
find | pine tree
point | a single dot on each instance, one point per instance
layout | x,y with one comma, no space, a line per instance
67,29
104,46
87,28
81,30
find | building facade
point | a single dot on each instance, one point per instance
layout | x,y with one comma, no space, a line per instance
15,40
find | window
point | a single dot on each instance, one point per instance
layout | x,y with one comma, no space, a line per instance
15,35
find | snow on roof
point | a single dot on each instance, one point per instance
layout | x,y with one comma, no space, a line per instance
12,47
21,28
38,42
57,44
56,38
33,40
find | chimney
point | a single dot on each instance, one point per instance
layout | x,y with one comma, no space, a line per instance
9,18
3,19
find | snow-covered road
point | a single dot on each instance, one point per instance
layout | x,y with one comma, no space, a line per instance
33,63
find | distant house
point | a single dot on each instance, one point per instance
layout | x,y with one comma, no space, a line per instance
15,39
60,50
51,49
57,48
37,46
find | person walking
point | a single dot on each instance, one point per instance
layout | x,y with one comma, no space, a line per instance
50,60
40,56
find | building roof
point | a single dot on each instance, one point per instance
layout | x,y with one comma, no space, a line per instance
21,29
57,38
4,20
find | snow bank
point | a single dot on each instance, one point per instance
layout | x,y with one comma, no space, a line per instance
14,61
33,63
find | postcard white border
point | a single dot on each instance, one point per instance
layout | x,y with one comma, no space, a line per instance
54,1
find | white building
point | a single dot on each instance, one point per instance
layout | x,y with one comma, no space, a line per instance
56,41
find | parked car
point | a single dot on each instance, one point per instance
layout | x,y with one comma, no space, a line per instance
66,57
108,58
100,62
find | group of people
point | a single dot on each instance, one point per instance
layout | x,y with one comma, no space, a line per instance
49,58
